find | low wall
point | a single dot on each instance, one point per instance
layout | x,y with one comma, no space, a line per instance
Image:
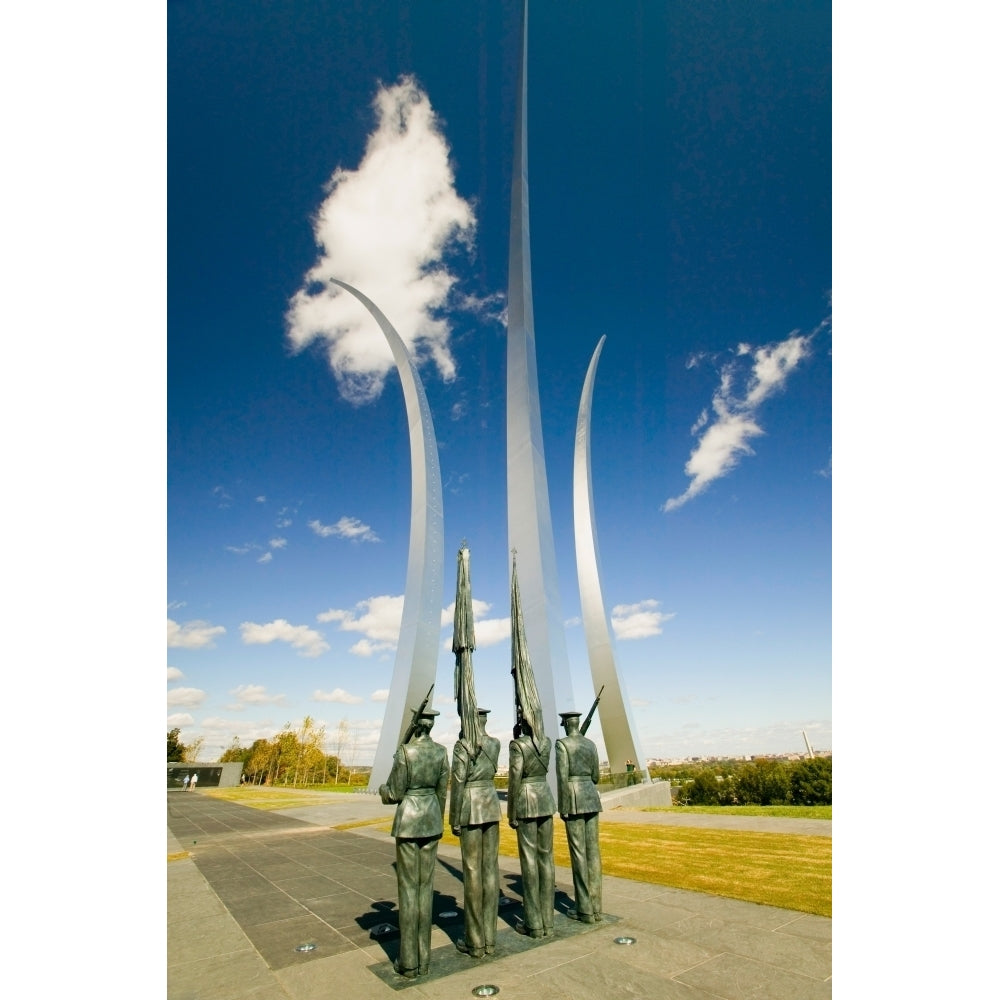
656,793
209,775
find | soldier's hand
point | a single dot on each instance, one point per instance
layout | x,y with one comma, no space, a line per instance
457,830
513,823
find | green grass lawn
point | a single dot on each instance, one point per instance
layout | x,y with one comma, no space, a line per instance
788,812
787,870
269,797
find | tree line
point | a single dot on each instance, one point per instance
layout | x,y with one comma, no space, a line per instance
295,756
764,782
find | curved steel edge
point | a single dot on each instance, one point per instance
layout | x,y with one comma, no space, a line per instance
620,737
420,631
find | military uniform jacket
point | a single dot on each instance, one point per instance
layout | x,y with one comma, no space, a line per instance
419,783
473,793
577,774
528,792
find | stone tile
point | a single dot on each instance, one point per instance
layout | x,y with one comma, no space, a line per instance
264,908
309,886
343,909
808,925
240,888
735,978
222,978
278,940
601,975
655,953
345,975
800,955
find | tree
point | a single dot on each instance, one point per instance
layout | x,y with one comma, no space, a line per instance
762,783
235,753
707,789
340,741
258,762
811,782
193,750
175,749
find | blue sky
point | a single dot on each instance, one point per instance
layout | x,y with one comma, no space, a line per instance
679,163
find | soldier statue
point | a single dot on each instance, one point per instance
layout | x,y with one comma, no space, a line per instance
529,811
577,774
419,783
475,819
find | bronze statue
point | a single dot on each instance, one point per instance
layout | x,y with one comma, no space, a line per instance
529,811
577,774
418,782
475,819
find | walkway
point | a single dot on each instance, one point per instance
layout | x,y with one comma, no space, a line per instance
267,906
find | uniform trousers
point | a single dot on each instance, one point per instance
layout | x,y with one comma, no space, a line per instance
538,875
481,877
415,861
585,855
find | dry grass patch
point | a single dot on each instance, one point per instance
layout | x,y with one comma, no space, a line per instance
264,797
776,869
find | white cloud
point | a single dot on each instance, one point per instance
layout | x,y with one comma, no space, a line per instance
242,550
254,694
489,631
173,674
179,719
382,694
192,635
638,621
366,648
377,618
346,527
338,695
386,228
266,557
306,640
726,439
185,697
278,543
261,499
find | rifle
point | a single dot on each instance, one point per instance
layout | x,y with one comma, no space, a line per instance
417,712
590,715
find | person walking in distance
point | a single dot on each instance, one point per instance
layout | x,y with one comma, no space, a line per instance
475,820
530,807
577,775
418,784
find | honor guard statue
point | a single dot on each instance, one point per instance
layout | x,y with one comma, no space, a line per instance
418,782
475,819
577,774
530,808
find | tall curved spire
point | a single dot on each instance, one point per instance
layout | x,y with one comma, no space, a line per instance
529,518
617,725
420,631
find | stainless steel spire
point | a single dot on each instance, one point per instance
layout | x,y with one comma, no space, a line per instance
420,631
620,737
529,519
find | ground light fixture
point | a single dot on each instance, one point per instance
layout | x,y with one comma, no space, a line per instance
306,946
486,990
624,940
